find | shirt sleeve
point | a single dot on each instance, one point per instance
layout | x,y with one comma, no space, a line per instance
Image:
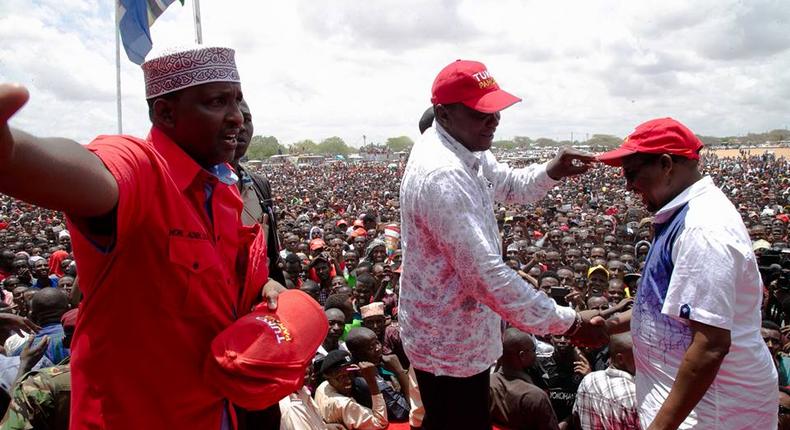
31,402
356,416
133,172
523,185
457,218
703,282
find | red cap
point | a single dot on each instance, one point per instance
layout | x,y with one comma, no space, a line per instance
317,244
359,232
470,83
657,136
341,222
69,319
262,357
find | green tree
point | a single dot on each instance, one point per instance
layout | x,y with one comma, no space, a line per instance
710,140
264,147
603,142
306,146
401,143
333,146
504,144
523,142
544,142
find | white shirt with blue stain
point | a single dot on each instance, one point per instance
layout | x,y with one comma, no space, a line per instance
701,268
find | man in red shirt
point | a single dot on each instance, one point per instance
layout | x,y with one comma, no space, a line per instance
166,206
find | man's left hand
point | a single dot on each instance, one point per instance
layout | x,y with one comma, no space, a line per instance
569,162
271,290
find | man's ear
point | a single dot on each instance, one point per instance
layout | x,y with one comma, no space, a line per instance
164,112
667,163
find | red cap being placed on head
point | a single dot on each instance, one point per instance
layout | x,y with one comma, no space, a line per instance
317,244
262,357
657,136
470,83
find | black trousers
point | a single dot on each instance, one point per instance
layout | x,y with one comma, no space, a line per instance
454,403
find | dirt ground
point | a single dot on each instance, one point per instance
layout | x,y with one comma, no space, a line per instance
726,153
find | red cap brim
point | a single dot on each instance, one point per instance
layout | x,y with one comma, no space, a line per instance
615,156
492,102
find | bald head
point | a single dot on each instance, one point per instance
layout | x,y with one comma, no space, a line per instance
48,305
516,340
358,339
620,342
518,350
621,352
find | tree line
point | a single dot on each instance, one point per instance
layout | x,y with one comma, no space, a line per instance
262,147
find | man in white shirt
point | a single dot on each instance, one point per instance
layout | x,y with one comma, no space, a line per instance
700,360
335,396
455,285
607,398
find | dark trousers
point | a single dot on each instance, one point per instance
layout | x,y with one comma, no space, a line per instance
454,403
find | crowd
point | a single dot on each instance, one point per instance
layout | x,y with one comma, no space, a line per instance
338,225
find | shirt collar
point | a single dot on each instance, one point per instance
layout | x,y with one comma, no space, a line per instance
694,190
224,173
469,158
183,169
617,373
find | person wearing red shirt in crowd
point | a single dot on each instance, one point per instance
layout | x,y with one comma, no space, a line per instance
166,206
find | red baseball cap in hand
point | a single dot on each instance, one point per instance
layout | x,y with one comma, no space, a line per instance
470,83
657,136
262,357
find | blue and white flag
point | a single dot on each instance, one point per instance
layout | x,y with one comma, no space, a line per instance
136,18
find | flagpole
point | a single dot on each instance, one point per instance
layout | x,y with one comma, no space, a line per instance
198,26
118,68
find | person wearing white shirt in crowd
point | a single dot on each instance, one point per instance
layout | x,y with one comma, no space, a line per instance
700,359
607,398
299,411
335,395
455,285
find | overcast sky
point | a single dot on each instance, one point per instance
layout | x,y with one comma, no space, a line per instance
312,69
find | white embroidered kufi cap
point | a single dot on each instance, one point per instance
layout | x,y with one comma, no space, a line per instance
174,69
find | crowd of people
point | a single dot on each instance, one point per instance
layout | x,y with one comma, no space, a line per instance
584,245
168,285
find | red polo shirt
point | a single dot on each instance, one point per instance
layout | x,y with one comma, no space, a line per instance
154,302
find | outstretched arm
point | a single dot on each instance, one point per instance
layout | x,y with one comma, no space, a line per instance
54,173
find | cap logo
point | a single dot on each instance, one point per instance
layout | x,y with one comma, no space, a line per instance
484,79
281,332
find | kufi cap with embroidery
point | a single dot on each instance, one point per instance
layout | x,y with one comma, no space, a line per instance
372,310
177,68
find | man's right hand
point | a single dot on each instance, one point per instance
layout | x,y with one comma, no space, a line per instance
368,371
592,332
12,98
17,324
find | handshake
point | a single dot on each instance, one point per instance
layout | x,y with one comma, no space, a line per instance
589,330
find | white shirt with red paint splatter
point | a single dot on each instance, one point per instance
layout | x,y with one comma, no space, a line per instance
454,285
